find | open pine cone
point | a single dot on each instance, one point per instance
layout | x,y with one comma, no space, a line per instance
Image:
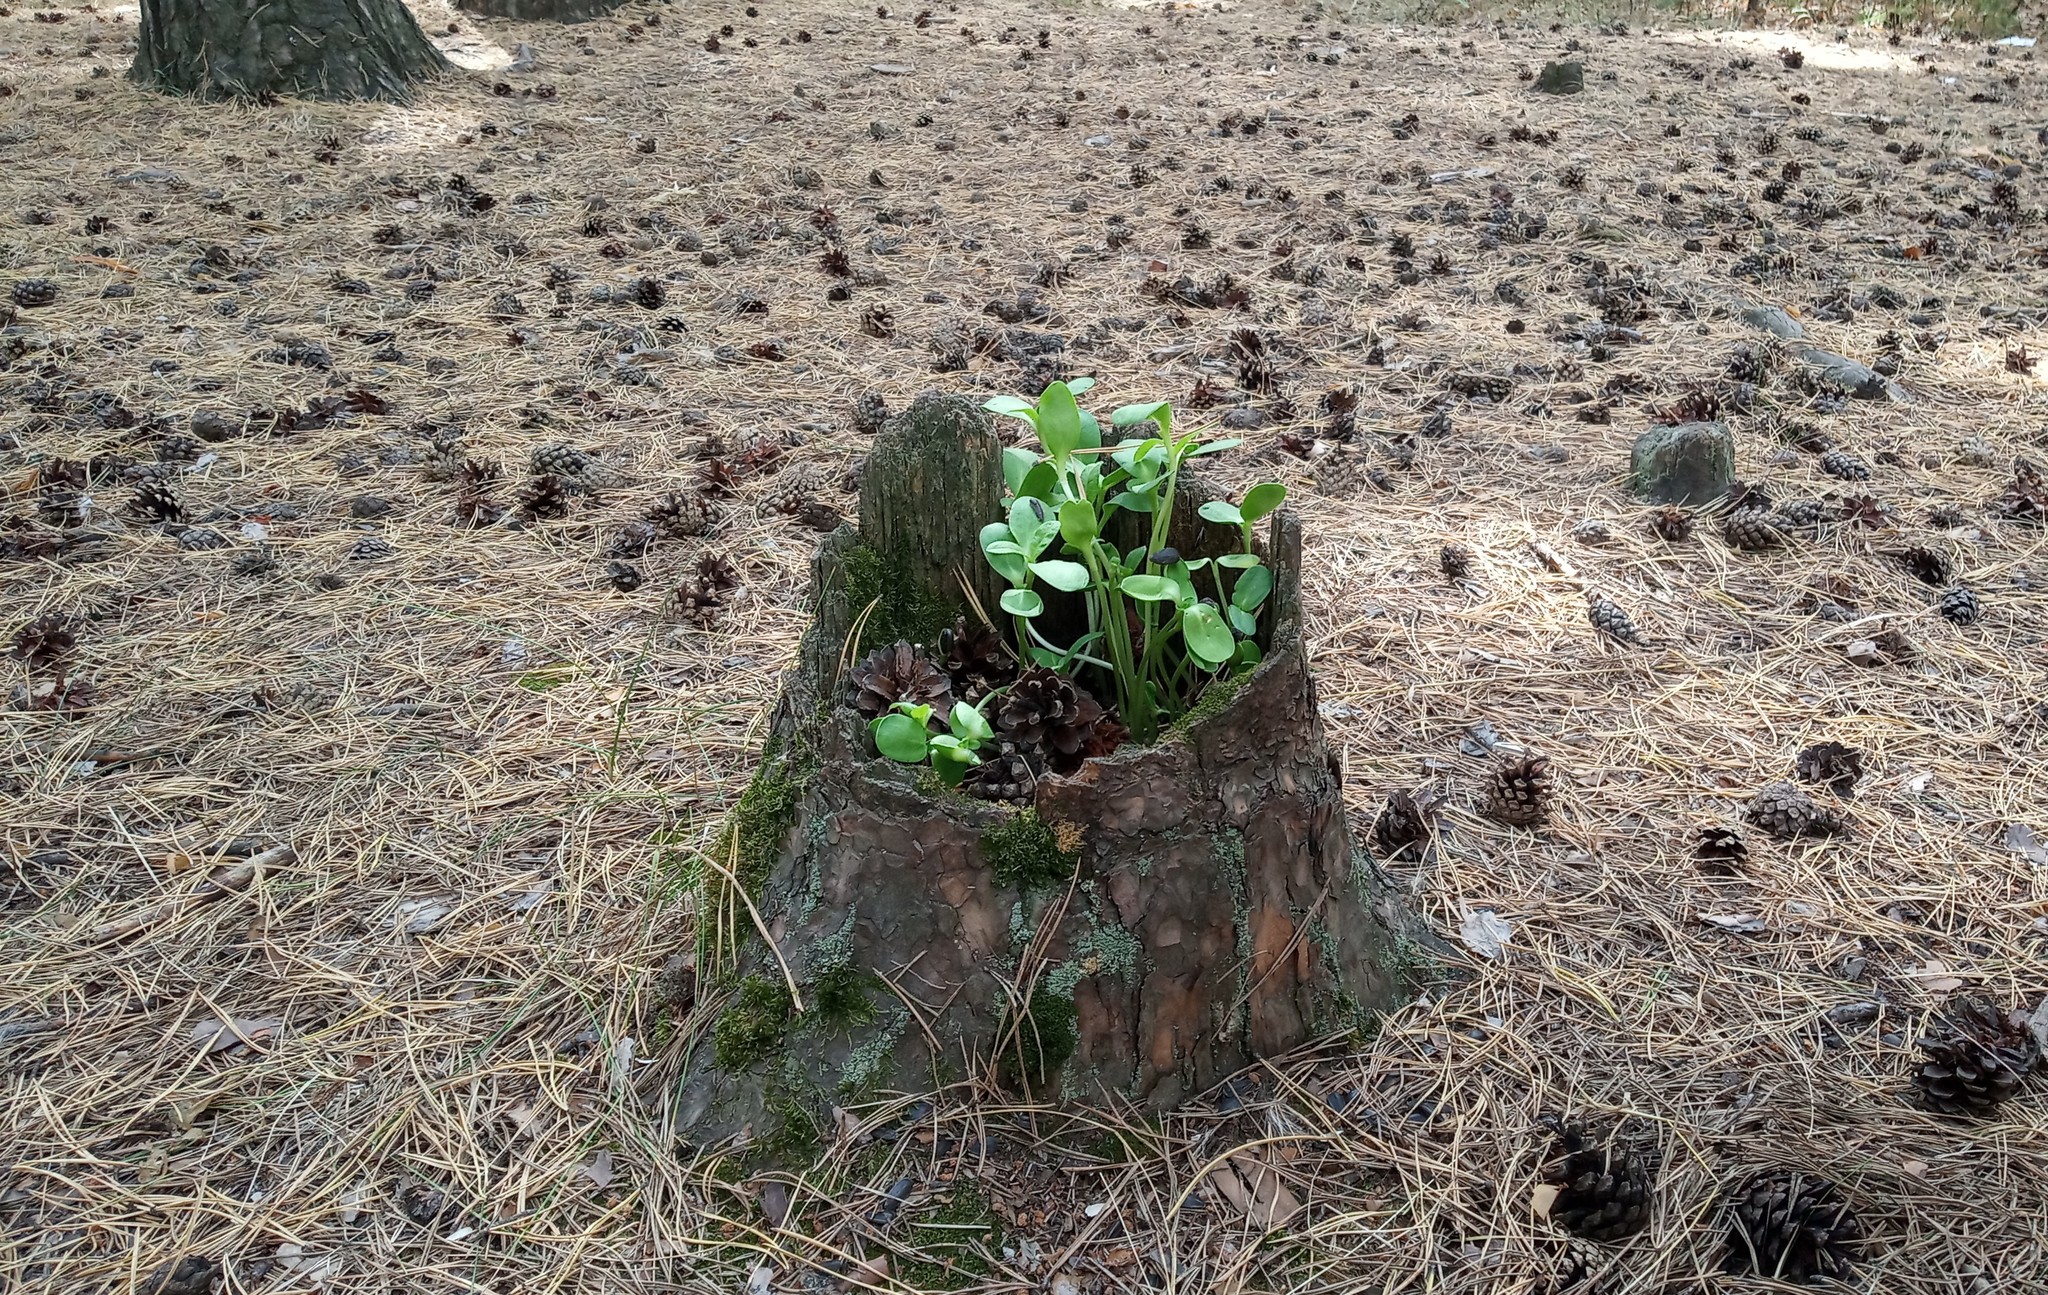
1833,764
1979,1058
975,659
1403,823
1604,1193
899,672
1519,792
1050,712
2026,499
1787,812
1793,1227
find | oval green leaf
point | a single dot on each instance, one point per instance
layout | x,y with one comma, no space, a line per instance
1059,422
1078,526
900,737
1242,621
1080,386
1252,587
970,725
1238,560
1017,462
1209,639
1068,577
1262,499
1151,589
1022,602
1222,512
1125,415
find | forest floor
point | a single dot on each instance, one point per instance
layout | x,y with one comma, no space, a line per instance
337,910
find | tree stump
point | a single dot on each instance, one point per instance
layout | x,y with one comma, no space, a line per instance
320,49
1147,927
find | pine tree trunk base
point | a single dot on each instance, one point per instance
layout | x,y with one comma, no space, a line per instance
313,49
541,10
1143,930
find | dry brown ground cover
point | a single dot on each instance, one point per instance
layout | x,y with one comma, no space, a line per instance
451,1034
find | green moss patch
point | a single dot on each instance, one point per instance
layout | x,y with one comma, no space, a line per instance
1214,699
1046,1038
762,818
951,1237
904,607
1024,852
753,1026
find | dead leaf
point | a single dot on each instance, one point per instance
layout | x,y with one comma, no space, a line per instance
760,1280
1917,1168
1738,923
423,916
2020,838
1935,978
2037,1025
1484,931
599,1170
215,1035
1254,1187
1542,1199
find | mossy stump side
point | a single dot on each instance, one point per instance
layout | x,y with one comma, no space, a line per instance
1151,925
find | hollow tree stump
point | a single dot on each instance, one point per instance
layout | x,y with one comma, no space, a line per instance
1149,926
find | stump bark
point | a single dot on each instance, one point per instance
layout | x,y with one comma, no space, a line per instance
1144,929
316,49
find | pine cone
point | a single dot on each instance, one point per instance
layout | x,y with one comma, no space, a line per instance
1005,775
632,540
623,576
1847,466
2026,499
544,497
60,484
1927,565
1751,530
555,459
1830,764
1959,606
1721,851
1456,561
1792,1227
475,509
975,659
30,293
1611,620
1802,515
444,458
478,474
44,642
1787,813
679,514
191,1275
1519,793
1604,1194
1980,1057
1404,822
899,673
1046,710
716,572
698,604
869,413
156,500
1671,524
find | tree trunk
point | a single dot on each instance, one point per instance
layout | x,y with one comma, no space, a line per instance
1147,927
541,10
315,49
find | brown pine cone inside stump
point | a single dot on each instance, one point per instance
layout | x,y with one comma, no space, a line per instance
899,673
1046,711
975,659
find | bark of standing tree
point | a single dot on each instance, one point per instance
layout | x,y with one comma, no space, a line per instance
314,49
1149,926
541,10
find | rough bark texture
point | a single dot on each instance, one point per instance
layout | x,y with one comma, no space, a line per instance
542,10
314,49
1148,927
